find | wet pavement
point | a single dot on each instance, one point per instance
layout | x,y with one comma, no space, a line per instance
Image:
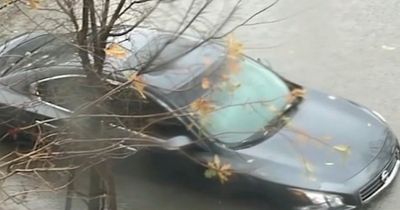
349,48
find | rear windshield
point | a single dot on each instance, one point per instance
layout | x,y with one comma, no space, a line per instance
39,51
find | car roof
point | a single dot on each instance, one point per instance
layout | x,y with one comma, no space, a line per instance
166,60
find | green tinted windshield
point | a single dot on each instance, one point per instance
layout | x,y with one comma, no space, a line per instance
246,104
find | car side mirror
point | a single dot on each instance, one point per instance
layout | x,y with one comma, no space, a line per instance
176,142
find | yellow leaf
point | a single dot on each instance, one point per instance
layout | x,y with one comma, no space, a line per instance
235,52
222,177
202,107
217,161
205,83
342,148
217,168
235,48
34,4
210,173
296,93
115,50
138,84
226,167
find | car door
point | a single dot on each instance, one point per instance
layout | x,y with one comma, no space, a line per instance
73,93
111,116
21,117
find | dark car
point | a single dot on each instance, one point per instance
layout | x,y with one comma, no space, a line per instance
314,151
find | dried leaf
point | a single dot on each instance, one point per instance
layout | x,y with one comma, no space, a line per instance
299,92
296,93
205,83
202,106
138,84
235,52
34,4
217,169
116,50
223,177
342,148
226,167
217,161
210,173
235,48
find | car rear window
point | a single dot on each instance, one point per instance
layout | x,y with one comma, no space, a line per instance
40,51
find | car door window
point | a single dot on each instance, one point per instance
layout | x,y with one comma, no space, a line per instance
125,108
145,114
68,92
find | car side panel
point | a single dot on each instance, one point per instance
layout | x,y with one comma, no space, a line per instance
18,112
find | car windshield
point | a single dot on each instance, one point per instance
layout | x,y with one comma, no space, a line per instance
233,100
245,104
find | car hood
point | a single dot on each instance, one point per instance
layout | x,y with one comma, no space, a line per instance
327,140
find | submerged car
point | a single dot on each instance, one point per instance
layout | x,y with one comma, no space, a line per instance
314,151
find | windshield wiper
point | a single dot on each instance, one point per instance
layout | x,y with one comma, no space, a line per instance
273,126
269,130
276,123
